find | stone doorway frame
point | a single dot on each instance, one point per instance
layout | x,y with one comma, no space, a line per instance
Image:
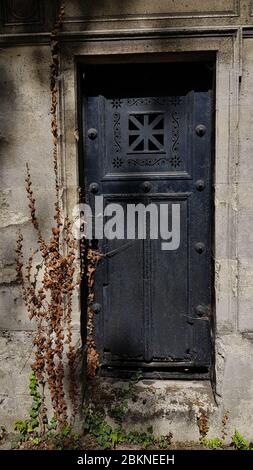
225,44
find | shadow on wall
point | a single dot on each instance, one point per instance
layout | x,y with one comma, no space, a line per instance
25,131
24,137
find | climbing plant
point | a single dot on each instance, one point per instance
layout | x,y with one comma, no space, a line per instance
49,287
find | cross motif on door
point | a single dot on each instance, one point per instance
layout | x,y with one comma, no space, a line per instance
146,132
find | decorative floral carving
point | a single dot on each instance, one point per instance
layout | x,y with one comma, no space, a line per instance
175,100
116,103
117,162
116,133
146,162
146,133
175,160
145,101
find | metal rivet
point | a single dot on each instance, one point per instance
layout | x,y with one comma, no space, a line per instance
92,133
96,307
200,248
200,130
93,188
200,185
146,186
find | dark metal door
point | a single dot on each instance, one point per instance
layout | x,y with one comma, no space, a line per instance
147,138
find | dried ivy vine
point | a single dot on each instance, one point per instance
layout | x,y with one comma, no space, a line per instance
93,257
48,288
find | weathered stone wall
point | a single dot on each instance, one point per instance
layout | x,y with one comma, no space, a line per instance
102,28
24,137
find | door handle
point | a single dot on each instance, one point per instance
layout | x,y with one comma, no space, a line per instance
202,311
